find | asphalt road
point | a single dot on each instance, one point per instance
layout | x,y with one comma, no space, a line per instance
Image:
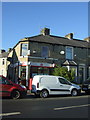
52,107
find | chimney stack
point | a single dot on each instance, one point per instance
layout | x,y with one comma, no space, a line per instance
9,50
69,36
87,39
45,31
2,51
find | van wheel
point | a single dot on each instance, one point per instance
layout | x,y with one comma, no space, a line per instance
15,94
44,94
74,92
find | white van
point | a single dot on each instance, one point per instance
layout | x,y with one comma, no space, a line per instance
46,85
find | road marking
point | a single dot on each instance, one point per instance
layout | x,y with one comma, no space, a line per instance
7,114
62,108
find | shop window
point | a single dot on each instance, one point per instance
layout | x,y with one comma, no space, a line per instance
24,49
69,53
45,51
43,71
23,72
39,71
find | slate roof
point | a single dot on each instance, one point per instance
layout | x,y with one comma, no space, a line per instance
51,39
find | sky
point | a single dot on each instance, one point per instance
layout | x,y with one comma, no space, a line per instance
26,19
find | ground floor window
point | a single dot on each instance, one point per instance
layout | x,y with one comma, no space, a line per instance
39,71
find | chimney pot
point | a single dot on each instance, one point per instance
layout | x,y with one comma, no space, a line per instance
45,31
87,39
9,50
2,51
69,36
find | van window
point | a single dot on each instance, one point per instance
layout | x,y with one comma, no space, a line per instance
48,80
64,81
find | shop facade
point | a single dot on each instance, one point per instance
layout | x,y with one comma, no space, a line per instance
25,69
40,54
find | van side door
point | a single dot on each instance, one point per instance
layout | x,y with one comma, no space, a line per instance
64,86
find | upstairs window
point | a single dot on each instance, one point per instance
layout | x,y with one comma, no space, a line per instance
69,53
24,49
3,61
45,51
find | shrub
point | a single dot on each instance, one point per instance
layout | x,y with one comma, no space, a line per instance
63,71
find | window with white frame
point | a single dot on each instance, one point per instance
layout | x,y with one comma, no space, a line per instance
24,49
69,53
45,51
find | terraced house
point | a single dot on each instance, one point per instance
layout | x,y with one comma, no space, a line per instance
41,53
3,62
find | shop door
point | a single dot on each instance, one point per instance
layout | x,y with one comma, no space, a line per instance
23,75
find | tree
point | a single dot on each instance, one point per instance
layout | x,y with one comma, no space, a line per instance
63,71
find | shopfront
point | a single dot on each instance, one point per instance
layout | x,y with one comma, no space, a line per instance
32,69
41,69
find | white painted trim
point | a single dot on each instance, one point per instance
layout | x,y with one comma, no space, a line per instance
23,57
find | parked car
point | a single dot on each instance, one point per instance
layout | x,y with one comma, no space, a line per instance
46,85
86,86
9,88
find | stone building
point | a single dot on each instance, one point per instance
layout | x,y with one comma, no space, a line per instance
3,62
41,53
